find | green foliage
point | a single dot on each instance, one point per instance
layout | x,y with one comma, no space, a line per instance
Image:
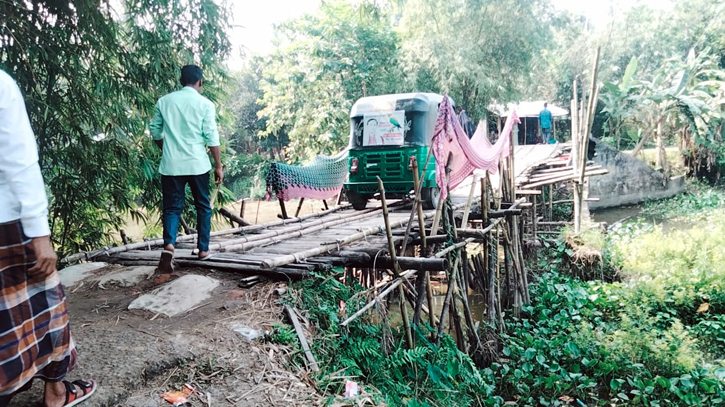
478,51
591,342
697,201
324,63
430,374
619,102
90,79
283,334
655,338
245,175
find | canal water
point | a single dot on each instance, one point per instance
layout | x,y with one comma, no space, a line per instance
617,214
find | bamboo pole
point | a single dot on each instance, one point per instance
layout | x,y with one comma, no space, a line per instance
485,202
276,236
301,335
324,248
550,188
417,204
233,217
396,266
283,208
472,334
498,279
189,238
467,208
379,297
575,136
570,177
439,208
299,207
447,300
579,185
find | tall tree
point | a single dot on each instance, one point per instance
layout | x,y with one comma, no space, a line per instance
322,64
478,50
91,77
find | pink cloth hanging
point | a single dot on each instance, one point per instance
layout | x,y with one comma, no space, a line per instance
467,155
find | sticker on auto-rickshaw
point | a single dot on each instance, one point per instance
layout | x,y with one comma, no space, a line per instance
384,129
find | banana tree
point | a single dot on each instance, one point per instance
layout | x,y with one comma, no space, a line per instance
692,92
619,103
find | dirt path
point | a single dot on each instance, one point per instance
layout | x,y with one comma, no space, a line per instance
136,356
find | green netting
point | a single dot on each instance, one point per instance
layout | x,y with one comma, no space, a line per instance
321,178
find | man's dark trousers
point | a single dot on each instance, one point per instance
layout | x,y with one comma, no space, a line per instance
174,191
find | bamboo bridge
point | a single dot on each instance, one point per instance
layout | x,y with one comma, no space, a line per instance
477,237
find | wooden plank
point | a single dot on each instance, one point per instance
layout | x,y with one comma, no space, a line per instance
301,335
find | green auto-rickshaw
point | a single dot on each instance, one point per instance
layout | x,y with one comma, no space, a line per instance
387,133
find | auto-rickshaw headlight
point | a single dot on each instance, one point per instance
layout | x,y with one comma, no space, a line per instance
353,166
411,160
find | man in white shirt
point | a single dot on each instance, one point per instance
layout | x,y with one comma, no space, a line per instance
35,339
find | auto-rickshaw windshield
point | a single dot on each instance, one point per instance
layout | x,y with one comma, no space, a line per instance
393,120
373,133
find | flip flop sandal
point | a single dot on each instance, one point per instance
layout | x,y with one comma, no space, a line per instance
207,257
166,263
195,252
72,397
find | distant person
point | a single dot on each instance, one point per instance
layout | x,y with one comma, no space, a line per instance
545,120
35,338
183,126
466,123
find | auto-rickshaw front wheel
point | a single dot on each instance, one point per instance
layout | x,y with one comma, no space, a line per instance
358,201
430,197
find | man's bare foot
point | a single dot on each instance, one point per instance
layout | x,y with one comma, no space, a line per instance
60,394
204,254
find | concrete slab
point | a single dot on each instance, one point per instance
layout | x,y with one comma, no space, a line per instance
177,296
73,275
126,277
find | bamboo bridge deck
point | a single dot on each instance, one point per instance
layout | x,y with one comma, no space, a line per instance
297,246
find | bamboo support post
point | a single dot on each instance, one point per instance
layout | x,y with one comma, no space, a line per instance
396,266
282,208
439,208
579,184
470,325
242,208
299,207
467,208
551,201
232,217
417,204
534,216
447,300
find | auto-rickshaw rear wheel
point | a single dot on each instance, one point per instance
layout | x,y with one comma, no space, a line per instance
430,197
358,201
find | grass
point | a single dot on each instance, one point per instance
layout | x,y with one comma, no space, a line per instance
655,337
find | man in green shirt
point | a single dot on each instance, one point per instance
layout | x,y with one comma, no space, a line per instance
183,126
545,120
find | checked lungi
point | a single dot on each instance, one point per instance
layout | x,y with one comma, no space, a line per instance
35,339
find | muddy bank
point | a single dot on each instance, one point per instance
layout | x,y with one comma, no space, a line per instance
136,355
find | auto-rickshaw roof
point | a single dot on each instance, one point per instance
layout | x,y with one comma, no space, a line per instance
420,102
